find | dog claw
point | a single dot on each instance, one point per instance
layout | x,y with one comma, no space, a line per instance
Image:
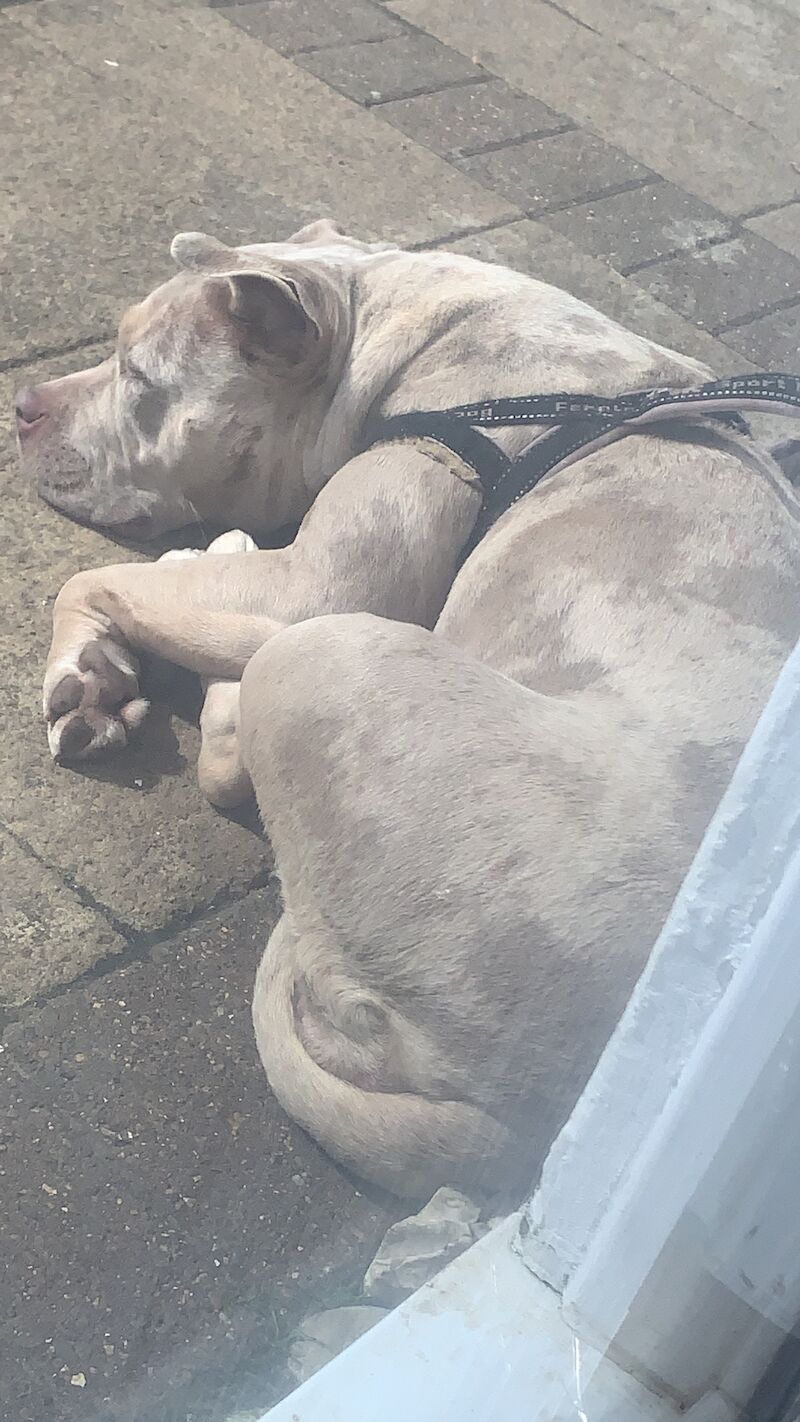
92,703
134,713
85,734
91,696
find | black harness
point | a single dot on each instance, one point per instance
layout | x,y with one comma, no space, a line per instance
582,423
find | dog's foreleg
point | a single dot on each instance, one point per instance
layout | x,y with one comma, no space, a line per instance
383,536
220,769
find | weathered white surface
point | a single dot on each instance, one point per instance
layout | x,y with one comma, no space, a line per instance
322,1336
695,1270
484,1342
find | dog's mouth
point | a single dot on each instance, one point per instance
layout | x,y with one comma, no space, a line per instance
137,528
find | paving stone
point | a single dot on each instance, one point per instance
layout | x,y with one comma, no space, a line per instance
552,172
93,220
770,343
745,58
717,286
114,203
164,1225
292,26
534,248
133,833
456,122
634,227
394,69
47,936
781,227
696,143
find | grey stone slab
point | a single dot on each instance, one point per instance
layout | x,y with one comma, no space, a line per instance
456,122
634,227
770,343
745,58
89,229
781,227
718,286
269,129
533,248
696,143
292,26
133,833
394,69
164,1225
47,936
552,172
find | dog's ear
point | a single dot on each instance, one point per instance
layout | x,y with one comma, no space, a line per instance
320,231
196,252
267,314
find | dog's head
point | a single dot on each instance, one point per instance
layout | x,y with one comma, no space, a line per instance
204,399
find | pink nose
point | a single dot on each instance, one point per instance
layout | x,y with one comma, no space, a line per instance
29,409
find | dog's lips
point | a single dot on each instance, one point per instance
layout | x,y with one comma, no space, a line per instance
136,528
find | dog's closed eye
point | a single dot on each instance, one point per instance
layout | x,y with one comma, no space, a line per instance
129,370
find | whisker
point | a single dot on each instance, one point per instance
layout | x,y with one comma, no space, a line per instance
198,520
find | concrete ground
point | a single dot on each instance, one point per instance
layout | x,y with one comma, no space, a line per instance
163,1224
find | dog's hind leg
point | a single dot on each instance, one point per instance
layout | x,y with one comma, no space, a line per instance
401,1140
410,1007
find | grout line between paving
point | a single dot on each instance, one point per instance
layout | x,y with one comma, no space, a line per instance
632,185
768,207
335,44
701,245
772,309
422,92
38,353
568,15
500,145
431,244
139,942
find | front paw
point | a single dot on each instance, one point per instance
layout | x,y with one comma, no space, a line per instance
91,701
234,541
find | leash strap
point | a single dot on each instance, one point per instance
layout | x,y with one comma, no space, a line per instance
584,423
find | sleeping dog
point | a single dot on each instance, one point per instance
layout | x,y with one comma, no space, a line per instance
483,778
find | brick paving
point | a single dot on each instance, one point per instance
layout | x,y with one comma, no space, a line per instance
396,68
721,274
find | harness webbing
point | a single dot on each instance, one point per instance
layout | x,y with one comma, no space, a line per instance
582,423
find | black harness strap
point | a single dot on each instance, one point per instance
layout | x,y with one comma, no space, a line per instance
448,428
583,423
